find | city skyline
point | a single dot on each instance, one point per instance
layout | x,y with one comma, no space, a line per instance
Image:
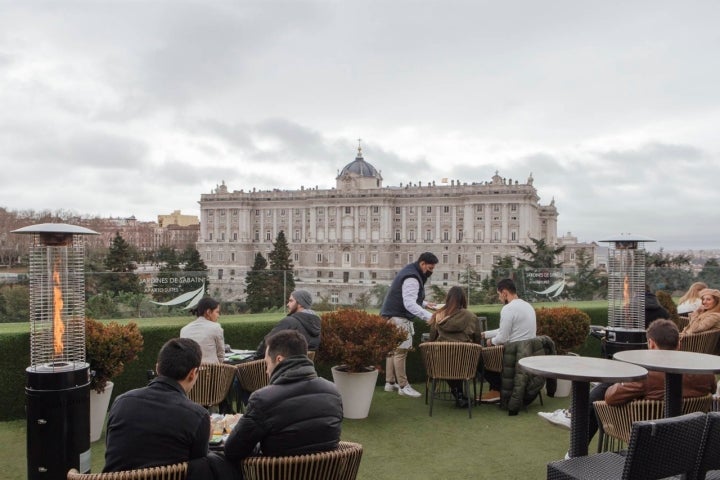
137,109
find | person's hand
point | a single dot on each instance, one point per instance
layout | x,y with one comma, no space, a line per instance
431,305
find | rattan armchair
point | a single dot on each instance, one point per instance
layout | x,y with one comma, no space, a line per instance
213,384
251,376
657,449
703,342
709,461
682,322
615,422
339,464
166,472
492,361
451,361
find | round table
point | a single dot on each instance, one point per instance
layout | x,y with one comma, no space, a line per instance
581,371
674,363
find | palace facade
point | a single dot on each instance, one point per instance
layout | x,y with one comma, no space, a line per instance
348,238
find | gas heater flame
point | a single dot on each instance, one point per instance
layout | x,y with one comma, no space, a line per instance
626,292
58,325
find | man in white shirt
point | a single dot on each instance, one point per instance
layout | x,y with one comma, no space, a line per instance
517,322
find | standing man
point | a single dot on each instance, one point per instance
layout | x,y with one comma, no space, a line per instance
301,318
158,425
404,302
297,413
517,322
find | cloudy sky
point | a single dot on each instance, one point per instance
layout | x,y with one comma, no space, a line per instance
138,107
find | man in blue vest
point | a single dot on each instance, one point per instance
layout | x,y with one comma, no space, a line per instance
404,302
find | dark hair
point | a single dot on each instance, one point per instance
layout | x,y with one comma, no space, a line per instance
428,257
177,357
454,300
205,304
286,343
665,333
506,284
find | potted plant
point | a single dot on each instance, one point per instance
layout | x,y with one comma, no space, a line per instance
356,342
108,348
568,327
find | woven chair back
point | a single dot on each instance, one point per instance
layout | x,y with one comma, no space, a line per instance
450,360
659,448
617,420
492,358
213,383
252,375
167,472
339,464
703,342
682,322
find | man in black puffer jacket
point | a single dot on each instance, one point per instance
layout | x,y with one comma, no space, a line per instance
297,413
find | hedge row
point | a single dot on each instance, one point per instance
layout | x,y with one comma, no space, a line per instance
242,334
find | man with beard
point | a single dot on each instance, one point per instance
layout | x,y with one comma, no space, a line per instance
517,322
301,318
404,302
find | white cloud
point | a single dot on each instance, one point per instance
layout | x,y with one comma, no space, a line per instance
121,108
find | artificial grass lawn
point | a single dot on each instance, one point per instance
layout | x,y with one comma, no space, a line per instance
400,441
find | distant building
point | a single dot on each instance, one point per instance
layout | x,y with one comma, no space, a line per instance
572,246
346,238
178,219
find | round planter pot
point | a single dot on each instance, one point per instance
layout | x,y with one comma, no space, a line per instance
99,403
563,388
356,390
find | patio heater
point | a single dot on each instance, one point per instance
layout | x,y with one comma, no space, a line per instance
58,378
626,294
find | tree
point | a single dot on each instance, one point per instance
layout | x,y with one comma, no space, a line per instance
281,272
437,293
257,281
586,283
195,270
379,292
664,271
168,280
502,269
544,255
710,273
471,281
120,261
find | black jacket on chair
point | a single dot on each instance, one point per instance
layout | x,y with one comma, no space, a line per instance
297,413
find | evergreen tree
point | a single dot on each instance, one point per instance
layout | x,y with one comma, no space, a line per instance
195,270
168,285
120,262
471,282
710,273
502,269
257,281
664,271
586,281
281,282
544,255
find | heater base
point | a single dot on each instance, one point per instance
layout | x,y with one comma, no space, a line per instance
58,423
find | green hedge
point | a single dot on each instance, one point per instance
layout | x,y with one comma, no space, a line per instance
242,334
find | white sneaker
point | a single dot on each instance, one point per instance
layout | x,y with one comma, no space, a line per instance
391,387
560,417
408,391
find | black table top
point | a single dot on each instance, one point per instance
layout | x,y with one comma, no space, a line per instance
671,361
586,369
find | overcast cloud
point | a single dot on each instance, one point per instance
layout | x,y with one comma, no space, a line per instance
137,108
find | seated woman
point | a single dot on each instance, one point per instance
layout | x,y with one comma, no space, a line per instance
707,316
454,323
690,302
206,330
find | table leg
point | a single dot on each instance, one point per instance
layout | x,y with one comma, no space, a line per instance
673,395
579,406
